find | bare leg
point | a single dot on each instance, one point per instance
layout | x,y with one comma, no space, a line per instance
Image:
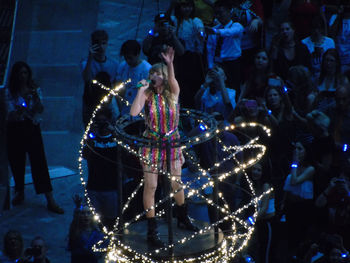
149,190
180,196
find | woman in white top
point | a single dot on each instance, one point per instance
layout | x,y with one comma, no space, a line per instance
298,202
265,218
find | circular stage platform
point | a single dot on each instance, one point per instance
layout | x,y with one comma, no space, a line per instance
135,237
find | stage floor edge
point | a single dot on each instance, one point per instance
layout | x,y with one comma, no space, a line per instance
135,237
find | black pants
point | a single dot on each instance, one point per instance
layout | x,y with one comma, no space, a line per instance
24,137
232,70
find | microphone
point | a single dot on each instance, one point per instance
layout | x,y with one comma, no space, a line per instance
139,85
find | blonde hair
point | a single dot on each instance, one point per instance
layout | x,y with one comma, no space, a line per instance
162,68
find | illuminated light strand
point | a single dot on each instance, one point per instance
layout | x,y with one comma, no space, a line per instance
224,251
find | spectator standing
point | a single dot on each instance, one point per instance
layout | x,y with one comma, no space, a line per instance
250,15
189,67
97,61
330,79
287,51
133,68
224,44
101,154
161,36
265,218
339,30
298,202
24,135
258,77
317,43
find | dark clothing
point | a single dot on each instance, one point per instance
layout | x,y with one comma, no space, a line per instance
321,147
81,248
101,156
46,261
25,137
190,75
282,64
158,45
232,69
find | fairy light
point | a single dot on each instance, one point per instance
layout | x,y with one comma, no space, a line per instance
232,243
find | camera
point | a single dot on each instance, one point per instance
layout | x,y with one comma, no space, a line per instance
33,251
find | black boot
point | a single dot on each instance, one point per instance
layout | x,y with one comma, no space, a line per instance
152,234
183,221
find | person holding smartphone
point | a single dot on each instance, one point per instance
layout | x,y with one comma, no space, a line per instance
96,62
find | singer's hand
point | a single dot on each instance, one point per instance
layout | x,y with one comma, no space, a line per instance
143,84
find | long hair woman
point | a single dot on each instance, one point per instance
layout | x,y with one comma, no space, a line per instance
24,135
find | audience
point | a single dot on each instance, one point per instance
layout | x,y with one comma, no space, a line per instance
298,88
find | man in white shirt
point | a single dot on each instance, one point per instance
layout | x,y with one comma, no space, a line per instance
224,44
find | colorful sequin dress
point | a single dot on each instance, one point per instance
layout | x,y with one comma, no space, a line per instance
162,120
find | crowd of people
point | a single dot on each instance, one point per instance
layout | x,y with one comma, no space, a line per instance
282,63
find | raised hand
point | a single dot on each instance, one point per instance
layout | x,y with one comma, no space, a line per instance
93,49
168,55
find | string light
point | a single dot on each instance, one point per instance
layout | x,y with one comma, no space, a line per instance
241,229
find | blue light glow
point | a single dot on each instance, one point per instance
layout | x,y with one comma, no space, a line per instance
91,135
251,220
202,127
24,104
345,147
